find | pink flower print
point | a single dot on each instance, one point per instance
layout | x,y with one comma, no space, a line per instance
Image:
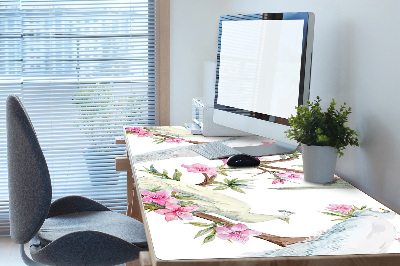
224,160
201,168
144,133
172,211
294,175
265,159
340,207
278,180
238,232
282,177
135,129
174,140
159,197
267,143
289,175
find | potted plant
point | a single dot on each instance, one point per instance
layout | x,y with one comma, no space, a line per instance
99,106
323,135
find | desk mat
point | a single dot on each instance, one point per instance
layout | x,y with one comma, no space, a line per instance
198,208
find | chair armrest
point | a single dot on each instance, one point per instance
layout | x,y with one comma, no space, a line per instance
72,204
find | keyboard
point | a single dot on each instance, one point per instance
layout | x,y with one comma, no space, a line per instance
214,150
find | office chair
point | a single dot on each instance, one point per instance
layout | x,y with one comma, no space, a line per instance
70,231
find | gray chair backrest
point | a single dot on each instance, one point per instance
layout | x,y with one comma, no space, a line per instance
29,183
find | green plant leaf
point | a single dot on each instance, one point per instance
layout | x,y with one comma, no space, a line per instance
336,214
312,126
177,175
209,239
185,198
244,180
156,189
221,188
187,203
203,232
238,190
341,219
154,170
199,224
217,182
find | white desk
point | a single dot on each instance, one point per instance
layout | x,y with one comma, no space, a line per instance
254,220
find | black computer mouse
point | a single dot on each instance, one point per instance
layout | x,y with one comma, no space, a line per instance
241,160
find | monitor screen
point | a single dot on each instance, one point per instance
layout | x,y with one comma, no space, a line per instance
263,71
260,64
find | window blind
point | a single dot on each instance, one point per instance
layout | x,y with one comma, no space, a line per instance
83,69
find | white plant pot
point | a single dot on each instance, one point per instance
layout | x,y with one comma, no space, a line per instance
319,163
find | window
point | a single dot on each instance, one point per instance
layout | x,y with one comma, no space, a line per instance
83,69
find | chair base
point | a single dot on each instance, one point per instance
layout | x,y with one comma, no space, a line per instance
26,259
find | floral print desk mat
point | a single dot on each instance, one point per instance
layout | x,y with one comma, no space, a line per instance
198,208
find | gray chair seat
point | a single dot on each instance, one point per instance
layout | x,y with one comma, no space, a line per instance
107,222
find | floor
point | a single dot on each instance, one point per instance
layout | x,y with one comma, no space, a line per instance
10,255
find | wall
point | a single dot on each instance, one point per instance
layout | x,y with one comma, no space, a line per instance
355,60
194,41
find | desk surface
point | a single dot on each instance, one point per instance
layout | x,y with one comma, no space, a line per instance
197,208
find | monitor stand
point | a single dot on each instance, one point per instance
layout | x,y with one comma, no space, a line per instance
263,150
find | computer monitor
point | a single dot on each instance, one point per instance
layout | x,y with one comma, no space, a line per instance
263,73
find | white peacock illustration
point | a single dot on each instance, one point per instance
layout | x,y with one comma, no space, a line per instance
371,230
